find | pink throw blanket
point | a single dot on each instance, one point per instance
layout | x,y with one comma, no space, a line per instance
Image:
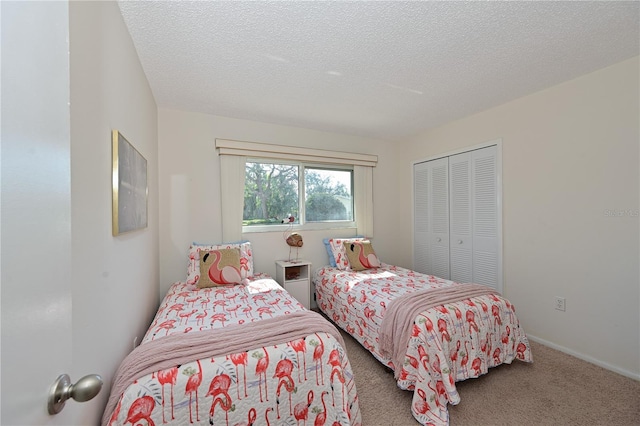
397,324
178,349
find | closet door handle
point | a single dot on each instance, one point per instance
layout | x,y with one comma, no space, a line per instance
459,241
438,239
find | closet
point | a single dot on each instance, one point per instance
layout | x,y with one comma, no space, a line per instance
457,219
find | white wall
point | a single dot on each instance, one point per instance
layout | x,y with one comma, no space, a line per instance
115,279
190,189
570,155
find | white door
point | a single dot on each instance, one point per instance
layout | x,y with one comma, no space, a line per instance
35,211
421,258
439,211
486,255
461,240
431,217
457,217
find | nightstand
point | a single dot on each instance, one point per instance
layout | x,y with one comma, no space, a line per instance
295,277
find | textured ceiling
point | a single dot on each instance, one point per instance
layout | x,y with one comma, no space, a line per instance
385,70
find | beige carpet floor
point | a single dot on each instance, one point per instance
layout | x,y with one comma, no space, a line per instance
556,389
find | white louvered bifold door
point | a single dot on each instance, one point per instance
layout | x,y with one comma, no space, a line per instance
461,252
421,258
484,196
431,218
438,235
456,217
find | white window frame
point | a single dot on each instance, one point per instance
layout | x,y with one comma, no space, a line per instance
233,156
302,223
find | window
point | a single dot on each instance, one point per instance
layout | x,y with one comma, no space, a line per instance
319,195
328,195
353,170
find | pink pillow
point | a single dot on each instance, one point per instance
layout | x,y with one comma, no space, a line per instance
219,267
361,255
246,259
339,253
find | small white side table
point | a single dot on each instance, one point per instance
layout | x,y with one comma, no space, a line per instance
295,277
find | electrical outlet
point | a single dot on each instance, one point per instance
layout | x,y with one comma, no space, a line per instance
561,303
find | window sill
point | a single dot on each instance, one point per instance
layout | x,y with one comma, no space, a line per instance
306,227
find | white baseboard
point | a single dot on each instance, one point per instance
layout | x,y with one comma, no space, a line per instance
584,357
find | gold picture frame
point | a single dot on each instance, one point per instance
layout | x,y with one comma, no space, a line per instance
129,181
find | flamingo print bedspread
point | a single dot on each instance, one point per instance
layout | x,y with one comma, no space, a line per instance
449,343
308,379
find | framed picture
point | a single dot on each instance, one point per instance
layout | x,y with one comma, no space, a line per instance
129,180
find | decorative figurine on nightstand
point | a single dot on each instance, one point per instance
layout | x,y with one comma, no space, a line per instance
293,239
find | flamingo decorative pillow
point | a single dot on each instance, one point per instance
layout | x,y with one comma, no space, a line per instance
219,267
246,258
339,253
361,255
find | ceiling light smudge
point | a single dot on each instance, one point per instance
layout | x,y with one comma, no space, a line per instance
406,89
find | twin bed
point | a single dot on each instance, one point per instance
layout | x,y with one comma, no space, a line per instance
246,352
234,354
431,332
